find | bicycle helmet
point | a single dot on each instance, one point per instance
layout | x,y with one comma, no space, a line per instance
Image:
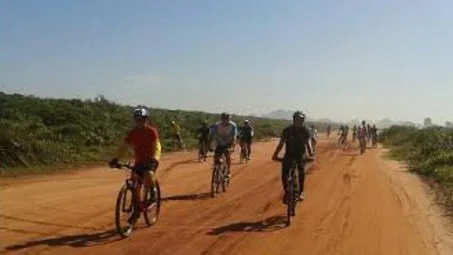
246,121
141,112
363,122
299,114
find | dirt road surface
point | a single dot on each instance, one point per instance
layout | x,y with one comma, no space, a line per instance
354,205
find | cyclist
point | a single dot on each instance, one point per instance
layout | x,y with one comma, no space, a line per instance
144,139
374,135
328,131
203,133
368,129
295,138
342,133
246,136
346,132
362,132
354,133
224,132
313,138
176,132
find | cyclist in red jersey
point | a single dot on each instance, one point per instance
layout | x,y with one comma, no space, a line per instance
145,142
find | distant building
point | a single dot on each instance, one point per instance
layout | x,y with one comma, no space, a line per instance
427,122
449,124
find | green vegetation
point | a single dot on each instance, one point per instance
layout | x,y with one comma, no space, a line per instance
428,152
49,132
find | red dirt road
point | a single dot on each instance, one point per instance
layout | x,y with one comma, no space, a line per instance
354,205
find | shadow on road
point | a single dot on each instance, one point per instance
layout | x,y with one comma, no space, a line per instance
199,196
81,240
270,224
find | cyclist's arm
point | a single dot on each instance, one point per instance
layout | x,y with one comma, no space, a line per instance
125,145
157,150
235,133
279,148
122,150
280,145
212,133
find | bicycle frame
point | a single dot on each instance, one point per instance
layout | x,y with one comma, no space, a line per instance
135,182
292,186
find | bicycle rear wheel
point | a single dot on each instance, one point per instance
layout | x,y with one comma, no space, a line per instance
124,210
152,198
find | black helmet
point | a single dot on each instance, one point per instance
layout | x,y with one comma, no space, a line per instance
363,122
224,116
299,114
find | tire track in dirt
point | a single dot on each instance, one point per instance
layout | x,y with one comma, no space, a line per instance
340,214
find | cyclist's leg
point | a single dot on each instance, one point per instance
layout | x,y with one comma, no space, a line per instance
181,144
228,159
301,169
149,175
249,146
217,154
286,164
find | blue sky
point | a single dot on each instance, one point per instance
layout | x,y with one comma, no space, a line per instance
334,59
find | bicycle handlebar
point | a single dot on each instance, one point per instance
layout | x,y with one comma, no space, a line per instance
281,159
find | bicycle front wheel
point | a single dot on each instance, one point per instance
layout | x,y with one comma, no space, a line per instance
124,210
152,198
224,178
215,181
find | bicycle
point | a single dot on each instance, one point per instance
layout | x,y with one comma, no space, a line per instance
292,192
219,176
244,154
202,151
134,206
374,141
341,142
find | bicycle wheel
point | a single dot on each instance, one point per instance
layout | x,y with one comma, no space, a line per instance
241,156
246,155
362,147
124,210
289,201
151,214
224,179
215,181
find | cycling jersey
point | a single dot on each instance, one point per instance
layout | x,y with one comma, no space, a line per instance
176,129
224,134
203,133
362,132
146,144
295,141
247,132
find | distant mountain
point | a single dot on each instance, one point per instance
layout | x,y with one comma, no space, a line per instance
385,123
288,115
279,114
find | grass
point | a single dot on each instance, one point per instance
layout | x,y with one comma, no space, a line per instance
428,152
